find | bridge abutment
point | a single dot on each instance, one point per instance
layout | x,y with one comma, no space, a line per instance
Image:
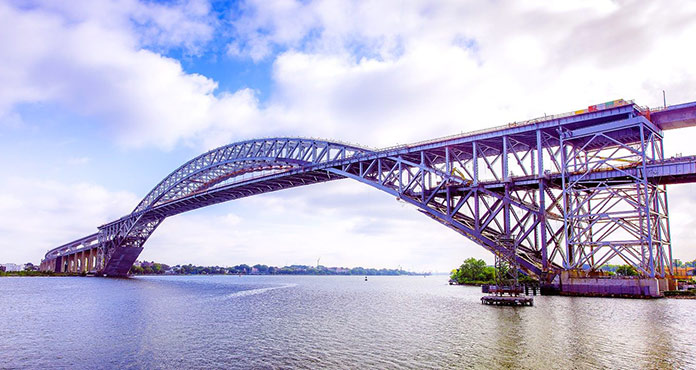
569,283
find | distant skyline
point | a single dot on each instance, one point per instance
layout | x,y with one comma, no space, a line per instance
100,100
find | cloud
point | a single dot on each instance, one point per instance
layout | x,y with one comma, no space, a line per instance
78,161
87,65
40,214
184,24
380,73
376,73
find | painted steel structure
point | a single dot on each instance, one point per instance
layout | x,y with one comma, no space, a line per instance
570,192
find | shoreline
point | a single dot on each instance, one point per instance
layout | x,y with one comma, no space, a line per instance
239,275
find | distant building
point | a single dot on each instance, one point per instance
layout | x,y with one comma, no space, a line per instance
9,267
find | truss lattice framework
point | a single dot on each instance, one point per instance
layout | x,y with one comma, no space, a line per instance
624,217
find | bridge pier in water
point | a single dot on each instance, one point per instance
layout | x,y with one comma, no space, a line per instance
572,283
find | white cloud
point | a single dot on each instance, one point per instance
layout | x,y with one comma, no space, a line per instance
377,73
93,68
78,161
381,72
40,214
185,24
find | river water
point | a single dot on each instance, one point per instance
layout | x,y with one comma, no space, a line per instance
327,322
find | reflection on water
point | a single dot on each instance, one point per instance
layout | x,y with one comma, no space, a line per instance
345,322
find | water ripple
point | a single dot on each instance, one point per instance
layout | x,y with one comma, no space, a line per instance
271,322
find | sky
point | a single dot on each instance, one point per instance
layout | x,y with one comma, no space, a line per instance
101,99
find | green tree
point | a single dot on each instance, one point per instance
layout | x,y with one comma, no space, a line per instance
262,269
626,270
473,271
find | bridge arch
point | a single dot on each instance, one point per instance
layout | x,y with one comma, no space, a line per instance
422,179
259,166
229,172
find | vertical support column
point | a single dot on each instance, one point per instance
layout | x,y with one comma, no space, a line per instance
569,252
401,179
647,214
475,159
542,202
448,162
542,225
659,239
506,171
477,194
540,155
379,171
477,213
422,175
506,211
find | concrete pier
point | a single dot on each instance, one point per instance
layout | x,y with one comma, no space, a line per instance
568,283
78,262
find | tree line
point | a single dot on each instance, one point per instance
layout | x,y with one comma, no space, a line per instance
155,268
475,272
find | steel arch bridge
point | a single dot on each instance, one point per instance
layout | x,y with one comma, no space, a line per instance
569,192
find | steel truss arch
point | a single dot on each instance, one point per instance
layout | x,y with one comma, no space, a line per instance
572,192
